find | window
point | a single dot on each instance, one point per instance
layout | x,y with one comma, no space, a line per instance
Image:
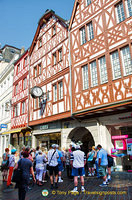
55,92
35,103
18,68
88,2
60,90
24,83
120,12
16,89
90,31
39,68
54,30
25,62
16,111
60,54
48,96
103,70
126,60
54,59
129,7
35,71
85,77
40,42
23,107
82,35
115,65
94,78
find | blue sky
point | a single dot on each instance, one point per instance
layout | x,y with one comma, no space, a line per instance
19,18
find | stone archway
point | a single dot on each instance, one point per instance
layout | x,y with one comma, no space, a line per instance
82,134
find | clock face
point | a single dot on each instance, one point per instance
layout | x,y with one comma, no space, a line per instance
36,92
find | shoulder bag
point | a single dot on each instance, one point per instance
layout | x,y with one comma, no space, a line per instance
17,174
47,167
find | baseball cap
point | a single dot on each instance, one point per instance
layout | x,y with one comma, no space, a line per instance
13,150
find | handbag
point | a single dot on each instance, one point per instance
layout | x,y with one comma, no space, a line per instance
17,174
47,166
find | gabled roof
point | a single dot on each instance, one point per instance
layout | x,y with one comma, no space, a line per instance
44,20
77,2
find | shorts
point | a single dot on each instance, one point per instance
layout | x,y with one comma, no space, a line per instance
78,171
90,164
102,170
53,170
60,167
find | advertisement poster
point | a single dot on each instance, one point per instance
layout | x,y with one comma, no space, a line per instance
129,146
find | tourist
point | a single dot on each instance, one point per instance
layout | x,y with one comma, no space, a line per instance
53,164
5,164
78,161
91,161
27,168
102,163
11,167
40,159
60,164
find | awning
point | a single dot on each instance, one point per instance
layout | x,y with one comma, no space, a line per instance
13,131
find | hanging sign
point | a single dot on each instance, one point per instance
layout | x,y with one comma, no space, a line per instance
129,146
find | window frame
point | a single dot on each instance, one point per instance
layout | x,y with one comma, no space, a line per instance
83,35
84,79
23,105
91,74
60,90
122,16
90,32
104,69
113,65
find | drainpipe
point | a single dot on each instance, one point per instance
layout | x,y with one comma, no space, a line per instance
70,71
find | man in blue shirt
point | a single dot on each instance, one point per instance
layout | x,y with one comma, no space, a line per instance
60,163
102,163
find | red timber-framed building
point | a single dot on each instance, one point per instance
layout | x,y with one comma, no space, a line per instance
101,62
20,132
49,69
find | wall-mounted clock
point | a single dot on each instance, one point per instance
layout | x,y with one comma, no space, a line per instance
36,92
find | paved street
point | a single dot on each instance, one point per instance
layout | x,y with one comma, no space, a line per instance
120,188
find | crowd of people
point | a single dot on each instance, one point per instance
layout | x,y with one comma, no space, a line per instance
41,165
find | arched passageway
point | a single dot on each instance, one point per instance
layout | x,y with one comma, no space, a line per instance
82,134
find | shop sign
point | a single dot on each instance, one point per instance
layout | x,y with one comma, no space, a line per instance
129,146
44,127
15,135
116,153
3,126
118,137
21,134
28,133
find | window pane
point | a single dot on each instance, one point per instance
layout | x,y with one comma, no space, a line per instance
90,31
61,90
94,78
103,70
85,77
116,65
127,61
55,92
129,4
120,12
82,35
88,2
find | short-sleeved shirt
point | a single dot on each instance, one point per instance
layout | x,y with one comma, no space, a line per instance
25,165
102,154
40,159
78,157
12,160
60,155
54,160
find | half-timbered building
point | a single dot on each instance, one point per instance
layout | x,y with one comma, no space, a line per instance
101,62
49,70
20,133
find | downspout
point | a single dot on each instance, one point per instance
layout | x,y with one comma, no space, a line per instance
69,35
28,93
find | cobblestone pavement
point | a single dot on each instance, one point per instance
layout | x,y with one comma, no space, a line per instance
120,188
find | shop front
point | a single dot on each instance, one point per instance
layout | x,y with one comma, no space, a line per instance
47,134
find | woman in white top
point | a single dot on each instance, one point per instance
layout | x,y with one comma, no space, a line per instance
40,160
